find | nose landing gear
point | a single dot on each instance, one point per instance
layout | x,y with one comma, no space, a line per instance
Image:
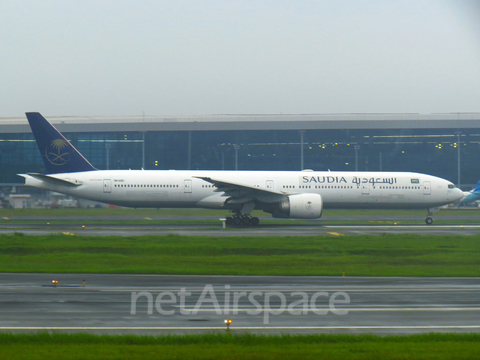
429,220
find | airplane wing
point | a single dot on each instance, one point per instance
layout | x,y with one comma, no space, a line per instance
240,193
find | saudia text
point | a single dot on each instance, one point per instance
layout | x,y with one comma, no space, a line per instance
343,180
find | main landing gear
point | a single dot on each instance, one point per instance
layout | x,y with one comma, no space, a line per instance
429,220
242,220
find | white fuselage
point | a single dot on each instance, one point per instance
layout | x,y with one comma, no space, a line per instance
184,189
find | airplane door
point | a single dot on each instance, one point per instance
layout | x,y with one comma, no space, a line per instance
107,185
269,184
426,188
365,189
188,186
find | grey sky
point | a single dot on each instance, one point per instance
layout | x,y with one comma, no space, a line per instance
216,57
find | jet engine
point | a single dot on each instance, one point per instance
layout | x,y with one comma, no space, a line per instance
300,206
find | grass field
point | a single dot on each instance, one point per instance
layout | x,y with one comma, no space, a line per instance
365,255
379,255
229,346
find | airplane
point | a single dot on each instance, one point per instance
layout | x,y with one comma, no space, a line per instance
472,195
283,194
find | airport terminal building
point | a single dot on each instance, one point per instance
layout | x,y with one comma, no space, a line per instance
444,145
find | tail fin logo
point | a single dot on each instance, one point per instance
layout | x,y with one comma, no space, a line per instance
56,153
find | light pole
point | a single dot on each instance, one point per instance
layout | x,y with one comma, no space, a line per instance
301,148
356,147
107,154
458,157
143,149
189,159
236,147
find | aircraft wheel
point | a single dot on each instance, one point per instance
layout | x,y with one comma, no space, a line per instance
237,221
254,221
246,221
429,221
229,220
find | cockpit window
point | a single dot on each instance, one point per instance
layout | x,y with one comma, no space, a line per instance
451,186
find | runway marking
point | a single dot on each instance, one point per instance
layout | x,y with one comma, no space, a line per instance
296,289
359,327
430,227
338,308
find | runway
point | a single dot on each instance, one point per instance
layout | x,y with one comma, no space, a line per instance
212,226
262,230
165,304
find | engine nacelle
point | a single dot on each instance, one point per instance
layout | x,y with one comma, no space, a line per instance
300,206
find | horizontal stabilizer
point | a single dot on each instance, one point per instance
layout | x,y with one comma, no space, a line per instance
54,180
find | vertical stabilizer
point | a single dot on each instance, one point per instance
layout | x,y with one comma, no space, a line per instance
471,196
57,153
